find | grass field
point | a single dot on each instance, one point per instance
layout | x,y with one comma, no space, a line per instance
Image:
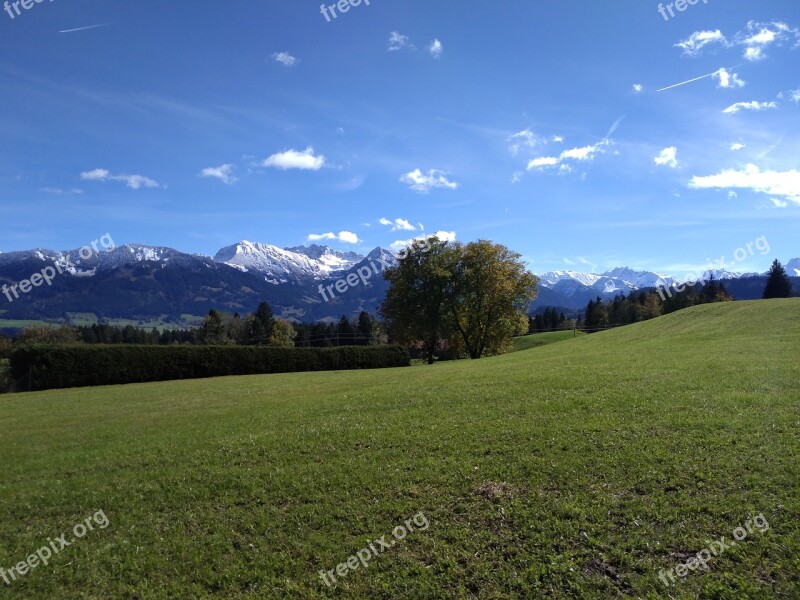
577,469
526,342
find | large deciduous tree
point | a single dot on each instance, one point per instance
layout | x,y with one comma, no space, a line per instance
474,296
414,304
490,290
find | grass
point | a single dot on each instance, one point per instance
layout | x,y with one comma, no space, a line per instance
576,470
526,342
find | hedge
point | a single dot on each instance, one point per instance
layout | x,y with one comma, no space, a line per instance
57,367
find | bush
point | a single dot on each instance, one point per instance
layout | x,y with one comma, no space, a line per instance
55,367
5,376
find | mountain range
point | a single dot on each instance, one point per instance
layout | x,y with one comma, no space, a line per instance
149,285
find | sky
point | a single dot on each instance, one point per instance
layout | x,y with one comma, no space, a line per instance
540,125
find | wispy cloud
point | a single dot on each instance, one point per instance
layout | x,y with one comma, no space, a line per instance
294,159
735,108
224,173
638,88
579,154
284,58
398,224
397,41
61,192
760,36
347,237
692,45
436,49
423,183
524,139
134,182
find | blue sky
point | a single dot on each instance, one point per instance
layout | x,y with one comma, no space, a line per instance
196,125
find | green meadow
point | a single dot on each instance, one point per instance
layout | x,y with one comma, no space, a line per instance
574,467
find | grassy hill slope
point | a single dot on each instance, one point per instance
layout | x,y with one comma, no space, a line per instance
576,469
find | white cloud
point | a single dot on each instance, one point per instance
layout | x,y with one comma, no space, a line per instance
760,36
544,161
736,146
445,236
726,79
790,95
436,49
638,88
224,173
284,58
557,139
735,108
134,182
293,159
523,139
60,192
582,154
348,237
756,39
397,41
399,224
423,183
692,45
779,203
516,177
668,157
785,184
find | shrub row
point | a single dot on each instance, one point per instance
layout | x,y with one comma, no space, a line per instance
55,367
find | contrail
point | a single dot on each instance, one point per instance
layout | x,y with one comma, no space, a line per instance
84,28
685,82
695,79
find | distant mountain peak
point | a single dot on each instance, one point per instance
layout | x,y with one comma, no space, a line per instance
281,265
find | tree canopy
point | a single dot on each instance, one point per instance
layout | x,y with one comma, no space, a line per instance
474,296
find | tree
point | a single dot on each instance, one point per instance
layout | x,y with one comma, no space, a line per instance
5,346
778,283
283,335
489,289
414,303
212,332
259,325
365,328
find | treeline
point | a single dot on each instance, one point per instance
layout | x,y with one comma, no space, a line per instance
549,320
648,304
218,329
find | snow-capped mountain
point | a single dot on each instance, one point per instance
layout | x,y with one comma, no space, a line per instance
281,265
793,267
615,281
